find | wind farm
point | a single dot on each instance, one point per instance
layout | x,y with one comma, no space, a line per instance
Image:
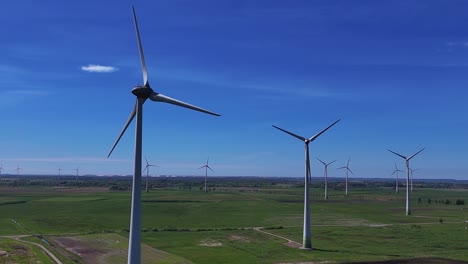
395,77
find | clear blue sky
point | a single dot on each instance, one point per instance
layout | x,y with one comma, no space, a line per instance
395,72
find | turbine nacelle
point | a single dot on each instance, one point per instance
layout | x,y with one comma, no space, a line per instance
142,91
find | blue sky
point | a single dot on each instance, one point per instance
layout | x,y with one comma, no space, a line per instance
395,72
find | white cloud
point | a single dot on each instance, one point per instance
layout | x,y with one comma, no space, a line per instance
98,68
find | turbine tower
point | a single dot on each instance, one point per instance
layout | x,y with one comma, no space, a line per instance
396,171
59,173
326,176
306,236
347,170
206,166
148,165
142,93
407,159
77,172
1,168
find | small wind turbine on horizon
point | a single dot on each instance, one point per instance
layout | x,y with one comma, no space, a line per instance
411,172
59,173
306,237
407,160
1,168
326,176
347,170
17,170
206,166
142,93
396,171
148,165
77,172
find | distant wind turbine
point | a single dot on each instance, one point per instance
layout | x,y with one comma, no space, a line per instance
306,238
411,172
326,176
148,165
407,159
142,93
59,173
77,172
206,166
1,168
396,171
347,170
17,170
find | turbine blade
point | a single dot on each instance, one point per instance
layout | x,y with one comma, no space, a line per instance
130,118
321,132
344,167
290,133
321,161
210,168
145,168
350,171
331,162
166,99
397,154
140,49
147,163
416,153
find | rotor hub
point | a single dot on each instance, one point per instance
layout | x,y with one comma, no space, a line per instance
142,91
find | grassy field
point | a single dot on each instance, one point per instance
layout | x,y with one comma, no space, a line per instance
191,226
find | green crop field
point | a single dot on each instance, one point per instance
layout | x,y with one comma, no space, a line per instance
190,226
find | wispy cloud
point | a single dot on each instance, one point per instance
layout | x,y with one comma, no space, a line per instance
98,68
65,159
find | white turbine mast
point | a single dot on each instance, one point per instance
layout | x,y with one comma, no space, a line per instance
142,93
77,172
1,168
347,170
407,159
411,172
59,173
148,165
325,174
18,170
396,172
306,238
206,166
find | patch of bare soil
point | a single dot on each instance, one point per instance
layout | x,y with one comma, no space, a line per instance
210,243
75,245
3,253
293,244
415,261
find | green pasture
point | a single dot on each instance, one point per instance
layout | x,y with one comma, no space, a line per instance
215,227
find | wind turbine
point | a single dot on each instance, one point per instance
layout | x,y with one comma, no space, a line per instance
59,173
407,159
77,172
1,168
396,171
347,170
306,236
142,93
411,172
148,165
326,176
17,170
206,166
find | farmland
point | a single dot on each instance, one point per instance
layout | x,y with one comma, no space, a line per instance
88,223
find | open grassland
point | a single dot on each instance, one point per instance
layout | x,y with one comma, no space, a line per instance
182,226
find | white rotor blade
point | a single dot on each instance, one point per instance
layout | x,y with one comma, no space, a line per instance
290,133
209,168
140,49
166,99
350,170
321,132
331,162
321,161
397,154
130,118
416,153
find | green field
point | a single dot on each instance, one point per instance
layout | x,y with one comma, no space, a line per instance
183,226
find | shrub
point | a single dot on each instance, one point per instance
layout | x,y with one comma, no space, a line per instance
460,202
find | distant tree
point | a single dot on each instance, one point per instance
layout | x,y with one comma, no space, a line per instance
419,200
447,201
460,202
441,220
429,200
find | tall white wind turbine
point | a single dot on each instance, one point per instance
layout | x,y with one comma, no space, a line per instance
326,176
347,170
142,93
396,172
59,173
148,165
206,166
407,159
306,237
